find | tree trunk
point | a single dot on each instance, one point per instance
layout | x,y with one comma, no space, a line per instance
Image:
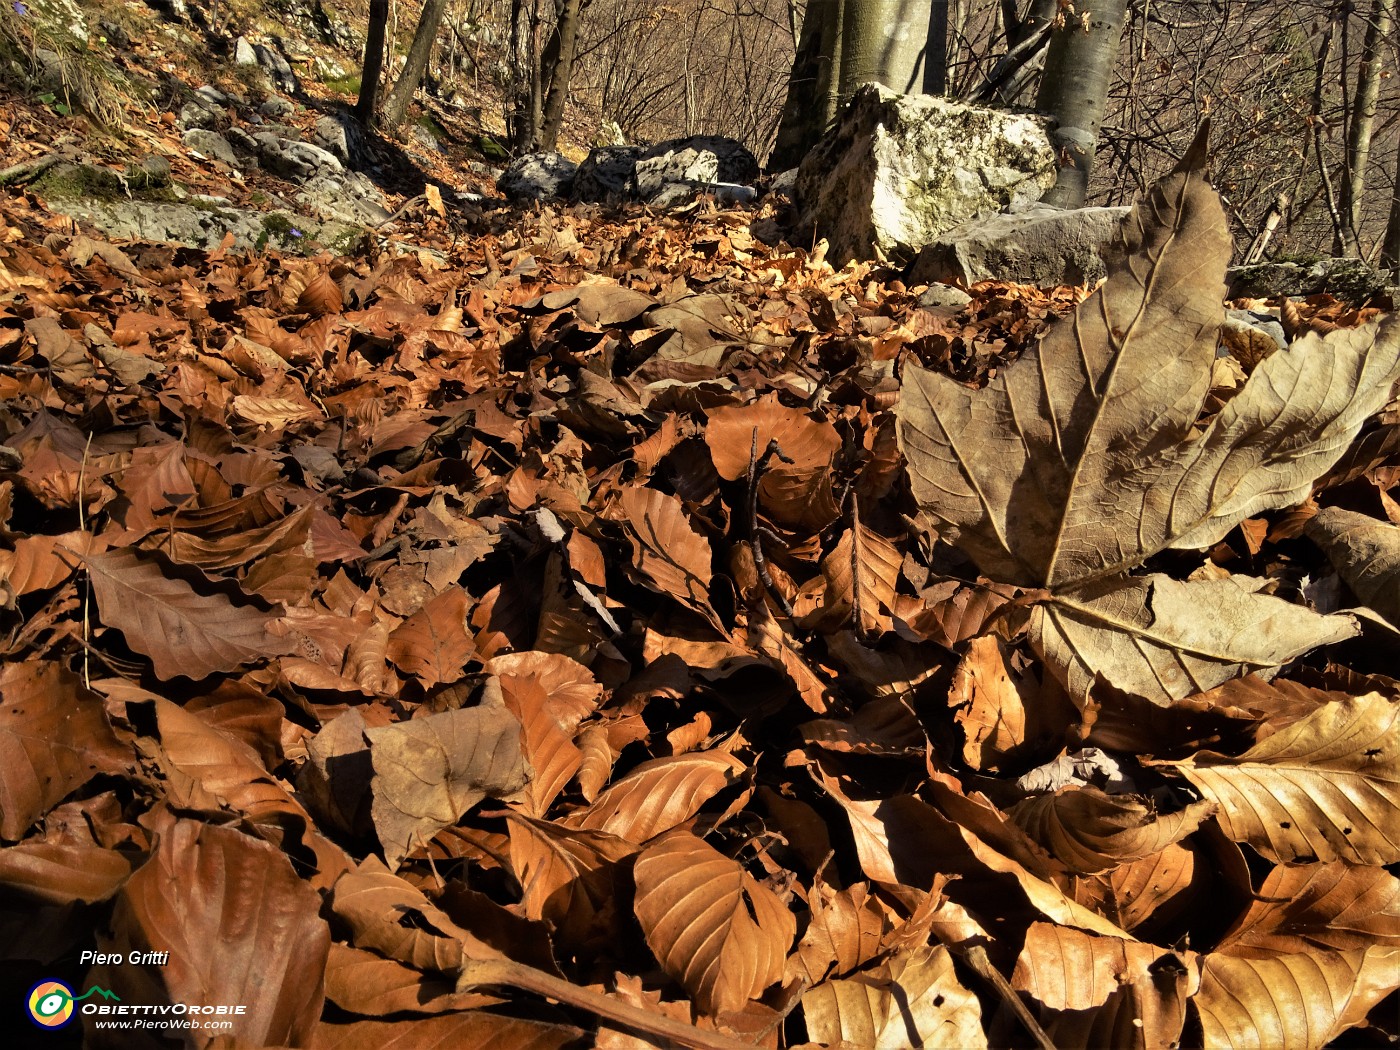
1363,119
1038,14
565,47
883,41
527,109
401,94
1390,247
811,93
936,60
373,64
1078,68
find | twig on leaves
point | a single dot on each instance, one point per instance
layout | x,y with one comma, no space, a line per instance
976,957
756,531
477,974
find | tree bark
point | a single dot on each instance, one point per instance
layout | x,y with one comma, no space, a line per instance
401,94
373,65
936,60
1363,119
527,110
1078,69
812,85
565,47
883,41
1390,247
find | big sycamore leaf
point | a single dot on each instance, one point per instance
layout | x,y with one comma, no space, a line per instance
1366,553
1080,461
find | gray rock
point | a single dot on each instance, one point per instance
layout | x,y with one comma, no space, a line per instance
212,95
275,107
241,140
211,144
678,194
785,182
1348,279
1039,245
346,197
898,170
278,69
332,134
424,139
641,173
197,115
116,36
938,296
537,176
243,52
151,172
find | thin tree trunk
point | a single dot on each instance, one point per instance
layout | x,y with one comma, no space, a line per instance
936,61
1324,54
1390,247
1074,90
373,65
566,47
811,92
401,94
1363,119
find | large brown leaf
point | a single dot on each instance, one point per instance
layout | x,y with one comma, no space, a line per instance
1325,787
668,555
430,771
240,926
364,983
720,934
433,643
1317,950
659,795
185,622
54,738
1078,461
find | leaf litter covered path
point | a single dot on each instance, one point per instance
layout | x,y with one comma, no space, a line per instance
486,652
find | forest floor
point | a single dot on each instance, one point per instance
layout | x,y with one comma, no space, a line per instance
568,626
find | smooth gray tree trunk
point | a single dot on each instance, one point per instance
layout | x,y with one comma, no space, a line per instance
1363,120
810,104
1074,89
415,65
884,42
564,47
936,60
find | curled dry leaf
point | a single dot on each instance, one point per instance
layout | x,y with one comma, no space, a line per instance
988,705
913,998
59,873
209,885
363,983
567,877
433,644
430,771
54,738
188,624
668,555
718,932
1317,950
1089,831
1366,553
1324,788
1041,476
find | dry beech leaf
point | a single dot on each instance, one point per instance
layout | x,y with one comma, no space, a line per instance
844,933
1122,993
659,795
668,555
1324,788
431,770
718,932
188,624
471,1028
566,877
1038,476
433,644
988,705
206,886
1089,831
553,755
913,998
363,983
54,738
387,915
1317,950
1366,553
58,873
862,571
1159,887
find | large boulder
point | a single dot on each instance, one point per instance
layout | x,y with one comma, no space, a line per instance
898,170
1041,245
536,176
669,170
1351,280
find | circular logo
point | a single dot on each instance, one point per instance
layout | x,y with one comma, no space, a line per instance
51,1004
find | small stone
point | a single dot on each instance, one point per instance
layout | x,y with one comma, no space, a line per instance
276,107
243,52
212,145
942,296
